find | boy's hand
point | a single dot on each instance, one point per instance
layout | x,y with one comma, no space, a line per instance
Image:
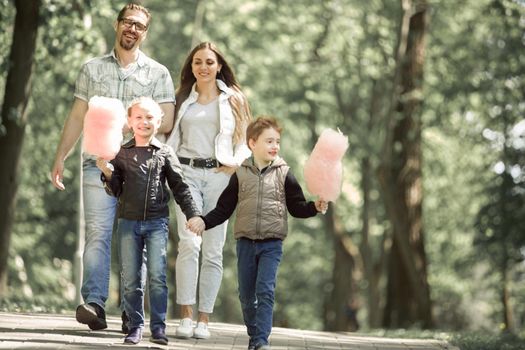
196,225
321,206
102,164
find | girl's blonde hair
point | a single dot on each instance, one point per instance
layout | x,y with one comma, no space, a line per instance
148,104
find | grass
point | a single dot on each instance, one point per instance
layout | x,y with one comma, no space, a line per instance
467,340
488,341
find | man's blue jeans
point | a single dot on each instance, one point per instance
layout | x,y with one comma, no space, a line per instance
257,263
99,216
133,236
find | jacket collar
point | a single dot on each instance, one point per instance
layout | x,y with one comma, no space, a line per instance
250,163
154,143
226,91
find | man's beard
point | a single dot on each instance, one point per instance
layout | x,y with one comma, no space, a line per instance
127,45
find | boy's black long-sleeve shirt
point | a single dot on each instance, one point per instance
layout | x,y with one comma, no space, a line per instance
295,201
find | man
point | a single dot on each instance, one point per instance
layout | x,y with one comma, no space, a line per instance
126,73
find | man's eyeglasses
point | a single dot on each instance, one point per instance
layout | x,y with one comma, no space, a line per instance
139,27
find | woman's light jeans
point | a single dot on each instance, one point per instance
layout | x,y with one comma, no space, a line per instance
206,186
99,215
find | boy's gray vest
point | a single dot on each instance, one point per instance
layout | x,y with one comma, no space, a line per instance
261,206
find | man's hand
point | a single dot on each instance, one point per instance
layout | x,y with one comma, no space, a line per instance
57,174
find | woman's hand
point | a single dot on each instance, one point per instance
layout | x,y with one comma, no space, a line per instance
228,170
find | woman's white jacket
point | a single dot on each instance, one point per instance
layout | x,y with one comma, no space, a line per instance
225,151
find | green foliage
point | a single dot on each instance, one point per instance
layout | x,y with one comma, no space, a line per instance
487,341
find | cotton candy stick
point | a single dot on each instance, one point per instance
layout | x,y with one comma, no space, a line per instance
323,171
103,125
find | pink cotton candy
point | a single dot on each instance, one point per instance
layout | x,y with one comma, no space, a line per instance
103,125
323,171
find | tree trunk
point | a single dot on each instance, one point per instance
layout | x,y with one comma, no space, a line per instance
508,316
14,119
200,9
372,269
408,294
341,307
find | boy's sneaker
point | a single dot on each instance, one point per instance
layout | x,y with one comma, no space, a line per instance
263,347
125,320
158,336
93,315
134,336
185,328
201,331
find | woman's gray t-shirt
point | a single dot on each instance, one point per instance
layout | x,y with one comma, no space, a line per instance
199,127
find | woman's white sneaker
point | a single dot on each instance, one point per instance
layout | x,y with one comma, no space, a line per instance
201,331
185,328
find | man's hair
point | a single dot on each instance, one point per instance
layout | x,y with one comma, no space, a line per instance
135,7
148,104
261,123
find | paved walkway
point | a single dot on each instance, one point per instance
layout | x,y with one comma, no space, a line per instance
45,331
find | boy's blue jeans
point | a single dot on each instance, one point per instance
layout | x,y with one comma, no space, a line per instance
133,236
257,263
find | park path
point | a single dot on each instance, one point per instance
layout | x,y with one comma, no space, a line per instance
47,331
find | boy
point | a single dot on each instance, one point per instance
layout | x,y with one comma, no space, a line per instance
138,179
261,189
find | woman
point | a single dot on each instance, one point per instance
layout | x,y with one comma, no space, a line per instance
212,114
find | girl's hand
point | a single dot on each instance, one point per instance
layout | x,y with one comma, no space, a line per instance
102,164
196,225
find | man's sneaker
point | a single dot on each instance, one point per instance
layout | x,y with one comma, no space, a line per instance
93,315
134,336
125,320
158,336
185,328
201,331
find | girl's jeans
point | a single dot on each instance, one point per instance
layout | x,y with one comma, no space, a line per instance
257,263
133,236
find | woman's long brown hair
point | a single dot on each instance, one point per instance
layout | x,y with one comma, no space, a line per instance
238,101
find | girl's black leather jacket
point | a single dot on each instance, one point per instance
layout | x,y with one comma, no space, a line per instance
139,181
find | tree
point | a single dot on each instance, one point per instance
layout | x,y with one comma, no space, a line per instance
501,220
408,293
14,119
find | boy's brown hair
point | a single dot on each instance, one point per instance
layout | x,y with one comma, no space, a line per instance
261,123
